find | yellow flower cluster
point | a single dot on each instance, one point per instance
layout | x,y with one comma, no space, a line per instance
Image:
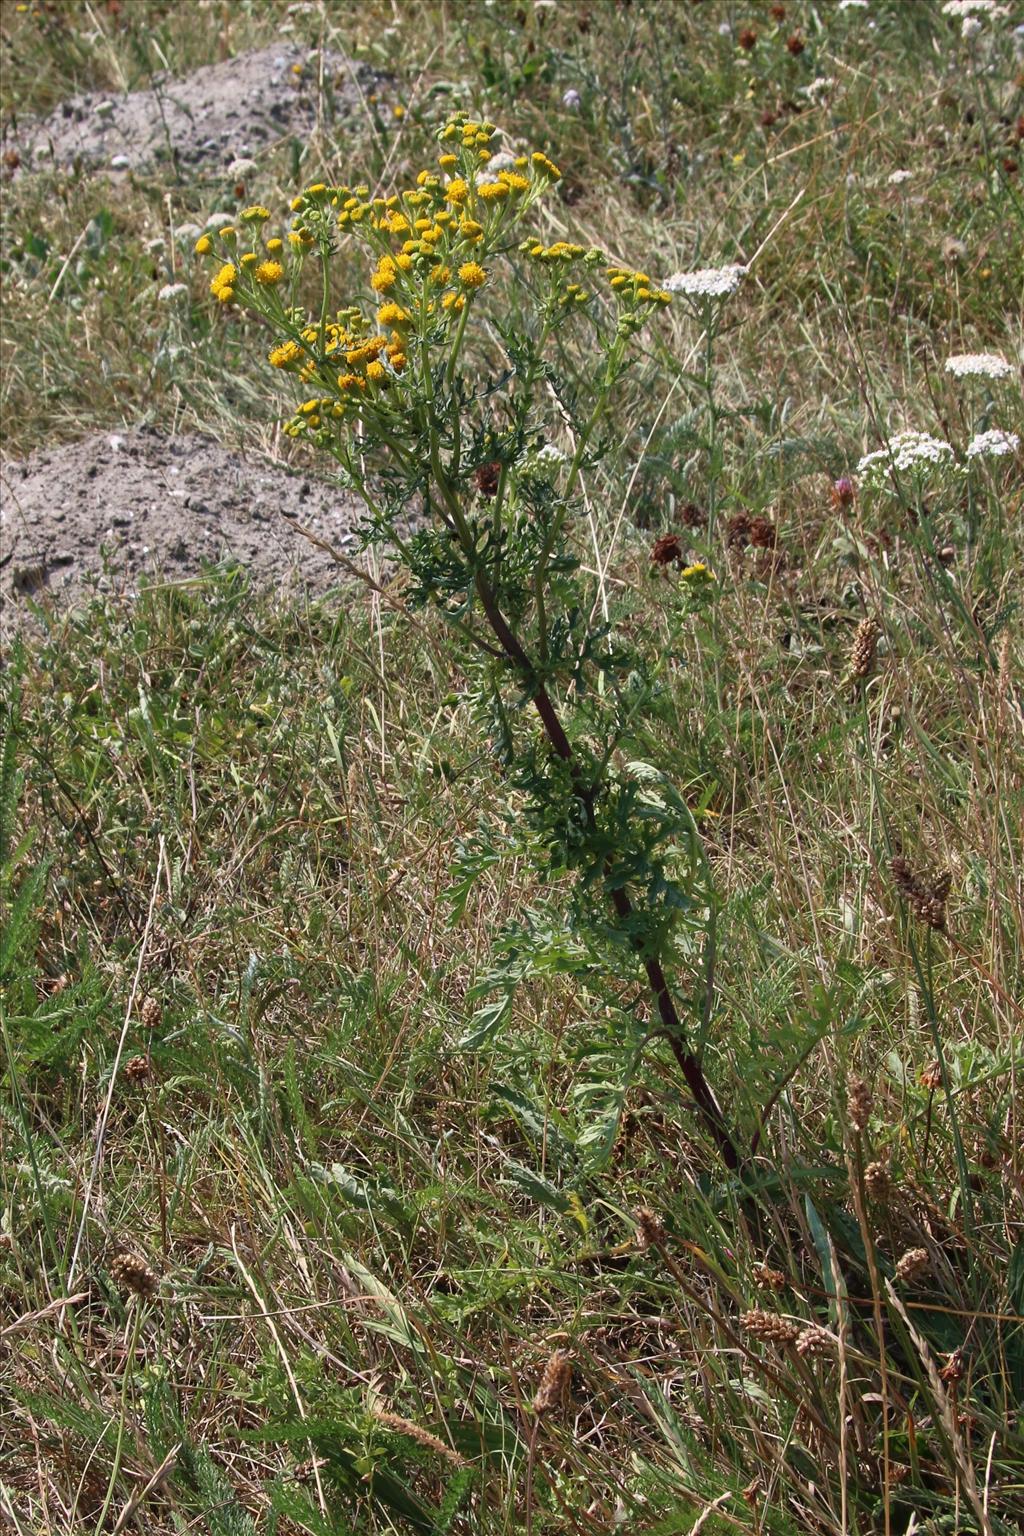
431,246
223,285
636,287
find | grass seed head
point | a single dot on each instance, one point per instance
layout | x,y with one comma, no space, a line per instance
769,1327
132,1273
554,1384
862,652
912,1265
858,1103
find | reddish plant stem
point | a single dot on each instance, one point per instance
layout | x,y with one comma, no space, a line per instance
693,1073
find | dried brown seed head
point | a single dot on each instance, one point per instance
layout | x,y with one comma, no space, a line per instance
769,1326
912,1264
768,1279
138,1070
554,1384
131,1273
862,652
151,1013
487,478
815,1342
858,1103
422,1436
666,549
877,1181
650,1232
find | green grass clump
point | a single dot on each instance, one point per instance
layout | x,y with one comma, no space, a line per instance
279,1252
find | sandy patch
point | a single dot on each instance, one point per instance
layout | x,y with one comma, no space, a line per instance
218,114
103,511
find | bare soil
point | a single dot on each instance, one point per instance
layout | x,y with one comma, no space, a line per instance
212,117
102,512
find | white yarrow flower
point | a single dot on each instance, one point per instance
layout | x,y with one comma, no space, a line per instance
912,451
961,8
170,293
708,283
897,178
993,444
984,365
853,5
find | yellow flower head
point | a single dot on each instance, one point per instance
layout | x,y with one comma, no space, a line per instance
275,245
448,162
222,286
249,259
472,275
453,302
285,354
269,273
203,246
392,314
457,191
492,191
385,276
254,215
545,166
376,373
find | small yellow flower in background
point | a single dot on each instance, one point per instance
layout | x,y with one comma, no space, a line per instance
697,572
254,215
454,302
275,245
296,69
286,353
268,273
399,111
546,166
228,233
203,246
472,275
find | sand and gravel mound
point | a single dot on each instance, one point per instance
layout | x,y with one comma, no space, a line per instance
219,114
106,510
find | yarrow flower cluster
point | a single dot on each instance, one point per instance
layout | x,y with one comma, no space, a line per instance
992,444
913,452
987,365
959,9
897,178
170,293
708,282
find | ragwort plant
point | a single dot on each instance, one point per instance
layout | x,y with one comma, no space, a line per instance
431,396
